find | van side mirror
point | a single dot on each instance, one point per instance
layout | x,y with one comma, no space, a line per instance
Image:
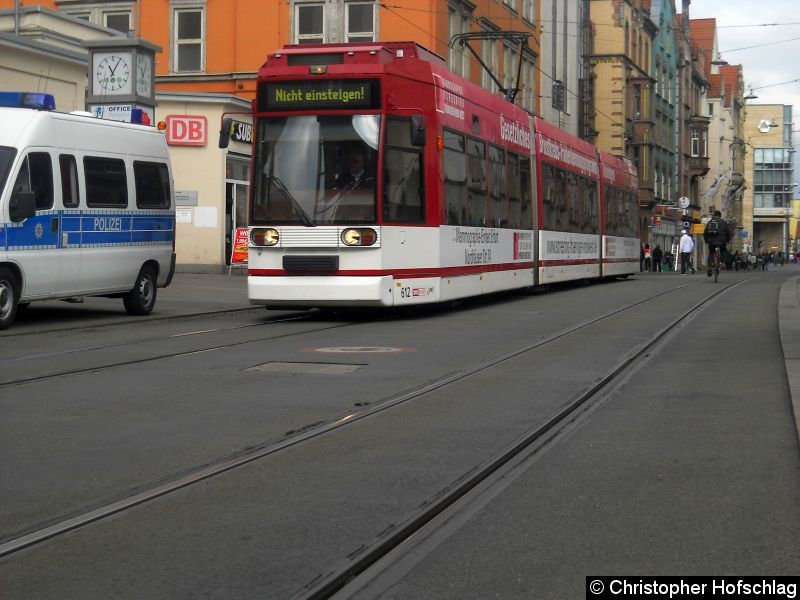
417,130
225,132
22,206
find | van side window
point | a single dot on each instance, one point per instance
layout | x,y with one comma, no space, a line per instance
106,184
36,175
152,184
69,180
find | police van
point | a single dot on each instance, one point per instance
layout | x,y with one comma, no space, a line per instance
86,207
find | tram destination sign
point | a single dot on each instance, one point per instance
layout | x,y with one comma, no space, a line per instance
316,94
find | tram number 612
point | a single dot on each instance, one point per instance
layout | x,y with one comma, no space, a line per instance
405,292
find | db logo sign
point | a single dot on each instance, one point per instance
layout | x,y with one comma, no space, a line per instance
187,130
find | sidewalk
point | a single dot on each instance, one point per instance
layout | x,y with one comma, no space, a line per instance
789,327
197,293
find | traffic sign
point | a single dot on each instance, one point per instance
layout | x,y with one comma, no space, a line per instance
684,202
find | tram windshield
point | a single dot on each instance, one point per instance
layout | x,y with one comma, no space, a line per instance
316,170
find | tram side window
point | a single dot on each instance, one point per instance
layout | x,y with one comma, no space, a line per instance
69,180
403,195
573,203
630,211
526,208
591,206
554,184
152,184
455,178
36,175
476,190
614,216
513,176
106,183
498,213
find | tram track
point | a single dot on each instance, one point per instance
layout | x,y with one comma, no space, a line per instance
376,568
118,322
16,360
56,528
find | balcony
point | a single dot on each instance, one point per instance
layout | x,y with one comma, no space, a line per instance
698,166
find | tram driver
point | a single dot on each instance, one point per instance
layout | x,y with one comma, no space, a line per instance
355,174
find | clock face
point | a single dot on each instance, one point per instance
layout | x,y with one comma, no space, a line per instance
143,75
113,73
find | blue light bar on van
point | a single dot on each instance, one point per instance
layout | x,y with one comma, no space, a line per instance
28,100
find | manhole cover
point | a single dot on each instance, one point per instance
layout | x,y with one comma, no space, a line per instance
304,368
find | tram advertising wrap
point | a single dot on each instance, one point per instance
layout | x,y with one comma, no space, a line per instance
380,178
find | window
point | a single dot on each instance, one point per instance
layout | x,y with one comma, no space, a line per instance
403,196
121,21
772,177
519,196
117,15
188,40
509,72
476,187
512,4
458,22
710,109
529,10
36,175
106,183
695,134
455,177
528,91
69,181
498,213
489,57
310,23
360,22
152,184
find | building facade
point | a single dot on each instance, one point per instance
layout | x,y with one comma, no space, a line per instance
211,51
769,165
624,90
563,62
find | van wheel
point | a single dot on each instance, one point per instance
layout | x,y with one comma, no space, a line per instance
9,296
142,298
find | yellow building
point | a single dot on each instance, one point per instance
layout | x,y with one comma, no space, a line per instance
769,172
623,44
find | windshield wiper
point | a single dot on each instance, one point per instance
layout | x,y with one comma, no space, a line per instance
307,221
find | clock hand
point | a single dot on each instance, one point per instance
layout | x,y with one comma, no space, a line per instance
115,67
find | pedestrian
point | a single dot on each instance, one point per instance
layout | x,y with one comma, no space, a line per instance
686,246
658,256
648,258
641,258
669,261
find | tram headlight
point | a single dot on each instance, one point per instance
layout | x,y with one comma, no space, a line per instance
264,237
363,236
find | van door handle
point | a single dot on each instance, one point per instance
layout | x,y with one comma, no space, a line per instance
54,225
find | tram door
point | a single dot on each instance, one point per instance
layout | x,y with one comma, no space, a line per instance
237,188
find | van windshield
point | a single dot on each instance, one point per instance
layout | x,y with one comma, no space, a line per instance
316,170
6,158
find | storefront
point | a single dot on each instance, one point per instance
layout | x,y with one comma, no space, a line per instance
211,184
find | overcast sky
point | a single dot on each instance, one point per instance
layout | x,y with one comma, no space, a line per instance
776,57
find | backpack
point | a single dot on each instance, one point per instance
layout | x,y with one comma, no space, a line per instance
713,227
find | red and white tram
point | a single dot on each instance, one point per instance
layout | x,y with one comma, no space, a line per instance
382,179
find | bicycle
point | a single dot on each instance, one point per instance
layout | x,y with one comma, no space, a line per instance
715,262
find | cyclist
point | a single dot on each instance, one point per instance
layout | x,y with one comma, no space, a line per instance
716,234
